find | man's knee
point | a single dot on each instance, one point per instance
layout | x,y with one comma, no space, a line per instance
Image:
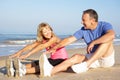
106,49
107,44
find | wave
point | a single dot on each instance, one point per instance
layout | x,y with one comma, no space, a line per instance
19,41
13,43
3,45
116,40
17,44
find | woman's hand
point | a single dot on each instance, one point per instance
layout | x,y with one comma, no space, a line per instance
24,56
15,55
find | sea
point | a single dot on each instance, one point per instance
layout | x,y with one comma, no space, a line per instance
11,43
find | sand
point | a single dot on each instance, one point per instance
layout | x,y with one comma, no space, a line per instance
112,73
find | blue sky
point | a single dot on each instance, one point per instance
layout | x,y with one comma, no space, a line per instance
23,16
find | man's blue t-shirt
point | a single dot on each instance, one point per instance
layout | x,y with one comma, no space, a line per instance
90,35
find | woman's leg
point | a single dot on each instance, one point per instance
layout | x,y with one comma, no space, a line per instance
32,67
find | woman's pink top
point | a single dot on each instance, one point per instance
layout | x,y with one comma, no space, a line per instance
60,53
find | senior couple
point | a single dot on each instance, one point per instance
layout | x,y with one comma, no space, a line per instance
98,35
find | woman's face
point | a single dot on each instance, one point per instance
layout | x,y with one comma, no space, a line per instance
47,33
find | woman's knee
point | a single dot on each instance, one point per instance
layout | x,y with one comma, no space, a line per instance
77,58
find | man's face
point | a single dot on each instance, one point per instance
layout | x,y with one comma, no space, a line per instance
87,21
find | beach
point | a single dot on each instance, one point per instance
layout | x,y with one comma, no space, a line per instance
111,73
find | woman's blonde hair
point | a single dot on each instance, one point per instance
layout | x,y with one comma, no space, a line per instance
40,36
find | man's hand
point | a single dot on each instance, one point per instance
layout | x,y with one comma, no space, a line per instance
53,50
90,47
50,51
47,52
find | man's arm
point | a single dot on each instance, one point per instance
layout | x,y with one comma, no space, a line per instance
63,43
108,37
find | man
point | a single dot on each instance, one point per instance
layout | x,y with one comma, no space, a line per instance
100,52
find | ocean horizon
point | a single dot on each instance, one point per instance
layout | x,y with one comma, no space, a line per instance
11,43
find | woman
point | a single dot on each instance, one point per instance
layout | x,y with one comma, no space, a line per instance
46,39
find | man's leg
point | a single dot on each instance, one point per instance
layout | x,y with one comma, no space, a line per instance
103,50
77,58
